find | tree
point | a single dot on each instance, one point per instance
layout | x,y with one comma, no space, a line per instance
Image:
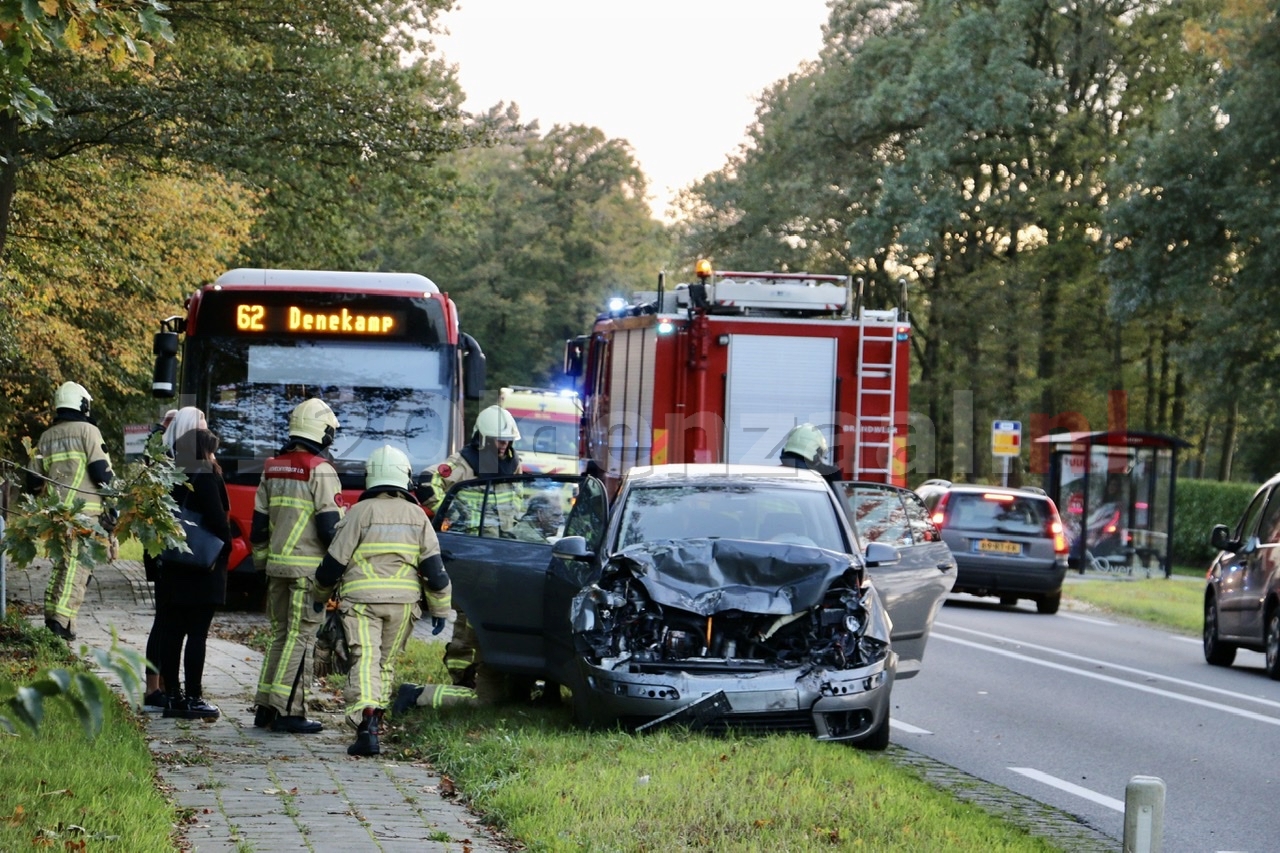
542,229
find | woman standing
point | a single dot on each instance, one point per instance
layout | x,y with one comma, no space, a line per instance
185,597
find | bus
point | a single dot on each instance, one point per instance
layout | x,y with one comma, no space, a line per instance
384,350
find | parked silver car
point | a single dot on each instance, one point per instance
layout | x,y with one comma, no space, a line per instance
1242,591
709,595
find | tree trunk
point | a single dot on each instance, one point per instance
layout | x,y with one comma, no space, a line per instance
8,173
1229,442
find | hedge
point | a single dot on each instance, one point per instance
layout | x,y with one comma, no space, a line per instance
1198,506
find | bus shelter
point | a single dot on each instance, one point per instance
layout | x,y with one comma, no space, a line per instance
1114,491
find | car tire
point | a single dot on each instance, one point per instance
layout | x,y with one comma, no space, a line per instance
878,739
1216,652
1049,604
1272,649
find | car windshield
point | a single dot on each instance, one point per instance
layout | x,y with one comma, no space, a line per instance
753,512
992,512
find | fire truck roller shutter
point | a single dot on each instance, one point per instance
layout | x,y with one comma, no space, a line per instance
775,383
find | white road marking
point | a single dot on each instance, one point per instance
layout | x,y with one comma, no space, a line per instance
1153,676
1088,619
1070,788
1119,682
907,727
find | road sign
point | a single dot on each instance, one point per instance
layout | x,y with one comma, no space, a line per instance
1006,438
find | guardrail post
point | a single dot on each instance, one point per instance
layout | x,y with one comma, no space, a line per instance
1143,814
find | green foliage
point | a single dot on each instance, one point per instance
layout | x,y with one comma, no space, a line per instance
140,493
84,694
1200,504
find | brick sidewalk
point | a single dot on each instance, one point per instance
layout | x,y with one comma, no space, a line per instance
250,789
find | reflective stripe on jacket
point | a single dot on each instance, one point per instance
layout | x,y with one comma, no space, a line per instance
67,449
295,488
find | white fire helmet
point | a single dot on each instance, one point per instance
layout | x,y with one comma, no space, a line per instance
497,422
314,420
71,395
388,466
806,440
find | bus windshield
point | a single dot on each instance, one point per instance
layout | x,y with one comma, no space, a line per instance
391,393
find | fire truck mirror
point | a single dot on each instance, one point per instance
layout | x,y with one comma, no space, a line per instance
164,378
573,352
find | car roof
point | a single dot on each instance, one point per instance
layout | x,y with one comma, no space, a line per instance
712,472
1030,492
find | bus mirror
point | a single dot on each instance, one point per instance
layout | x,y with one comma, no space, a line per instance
473,368
164,378
573,352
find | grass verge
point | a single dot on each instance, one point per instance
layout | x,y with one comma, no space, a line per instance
557,788
60,790
1175,603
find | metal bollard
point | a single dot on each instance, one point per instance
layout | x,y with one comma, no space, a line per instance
1143,814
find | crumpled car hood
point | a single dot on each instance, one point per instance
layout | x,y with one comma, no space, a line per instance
708,576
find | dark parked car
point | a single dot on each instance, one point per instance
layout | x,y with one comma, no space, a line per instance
711,595
1242,593
1008,543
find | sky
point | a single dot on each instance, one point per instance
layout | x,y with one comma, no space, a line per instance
677,79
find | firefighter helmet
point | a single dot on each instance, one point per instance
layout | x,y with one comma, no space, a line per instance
807,441
497,422
388,466
71,395
314,420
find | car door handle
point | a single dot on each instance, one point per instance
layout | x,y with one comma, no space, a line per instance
944,567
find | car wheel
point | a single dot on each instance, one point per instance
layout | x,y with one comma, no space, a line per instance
1273,644
1049,604
1216,652
878,740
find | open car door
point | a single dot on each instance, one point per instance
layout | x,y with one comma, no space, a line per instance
913,588
495,539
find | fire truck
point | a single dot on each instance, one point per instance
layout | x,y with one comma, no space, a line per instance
382,349
719,370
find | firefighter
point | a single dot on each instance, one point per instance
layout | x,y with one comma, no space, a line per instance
71,455
295,514
490,453
384,558
806,447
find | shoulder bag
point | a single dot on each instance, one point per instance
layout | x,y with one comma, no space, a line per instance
205,546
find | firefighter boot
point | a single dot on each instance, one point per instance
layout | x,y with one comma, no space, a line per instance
367,735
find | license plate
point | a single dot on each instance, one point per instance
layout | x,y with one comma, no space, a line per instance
995,546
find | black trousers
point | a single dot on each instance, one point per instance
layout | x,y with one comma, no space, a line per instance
181,632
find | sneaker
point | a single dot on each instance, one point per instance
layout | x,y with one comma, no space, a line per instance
193,708
155,702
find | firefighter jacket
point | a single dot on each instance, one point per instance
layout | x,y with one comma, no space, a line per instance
385,552
295,512
506,505
71,454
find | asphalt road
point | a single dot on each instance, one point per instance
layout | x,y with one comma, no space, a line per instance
1067,709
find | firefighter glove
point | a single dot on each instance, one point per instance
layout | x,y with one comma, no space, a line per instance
437,624
317,606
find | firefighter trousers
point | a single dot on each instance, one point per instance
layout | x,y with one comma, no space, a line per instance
376,635
461,654
65,592
288,666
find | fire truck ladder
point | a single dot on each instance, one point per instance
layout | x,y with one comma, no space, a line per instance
877,376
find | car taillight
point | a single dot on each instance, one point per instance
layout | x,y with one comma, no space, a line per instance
1053,527
939,517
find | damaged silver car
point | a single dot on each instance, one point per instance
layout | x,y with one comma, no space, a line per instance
710,596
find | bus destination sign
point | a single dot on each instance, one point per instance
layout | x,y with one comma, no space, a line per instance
252,317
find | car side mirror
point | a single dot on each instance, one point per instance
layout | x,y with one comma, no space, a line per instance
572,548
880,554
1220,538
